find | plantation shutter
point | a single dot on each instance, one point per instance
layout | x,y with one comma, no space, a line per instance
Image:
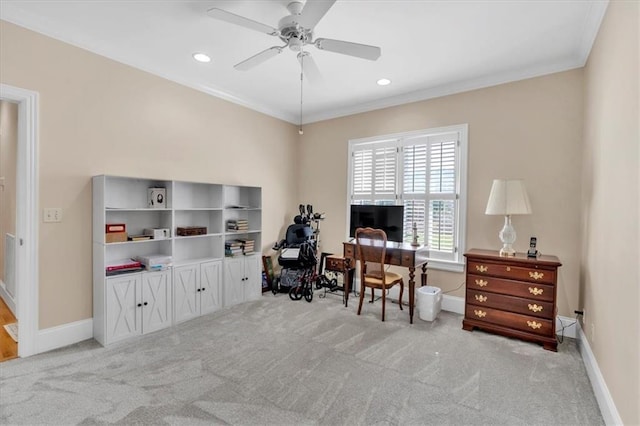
442,195
425,171
414,185
374,173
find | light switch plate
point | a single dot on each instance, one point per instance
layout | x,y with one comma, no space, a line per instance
53,214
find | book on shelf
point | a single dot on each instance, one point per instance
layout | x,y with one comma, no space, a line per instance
237,225
123,264
139,237
123,271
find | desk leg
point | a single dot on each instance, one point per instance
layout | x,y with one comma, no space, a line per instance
412,295
348,280
423,278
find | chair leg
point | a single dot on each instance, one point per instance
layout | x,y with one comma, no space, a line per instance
384,299
401,292
372,296
362,290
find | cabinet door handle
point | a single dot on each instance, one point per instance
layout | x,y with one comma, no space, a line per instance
481,268
481,298
145,303
536,291
481,283
198,289
536,275
139,305
535,308
534,325
203,288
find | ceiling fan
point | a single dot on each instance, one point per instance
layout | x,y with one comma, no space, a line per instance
296,31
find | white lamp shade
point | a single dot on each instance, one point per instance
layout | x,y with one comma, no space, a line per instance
508,197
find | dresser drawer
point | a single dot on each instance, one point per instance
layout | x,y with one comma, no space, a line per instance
530,324
512,288
532,274
511,304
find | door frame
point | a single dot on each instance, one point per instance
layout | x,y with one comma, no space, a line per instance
26,215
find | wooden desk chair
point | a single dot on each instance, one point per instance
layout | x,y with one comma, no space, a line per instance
371,248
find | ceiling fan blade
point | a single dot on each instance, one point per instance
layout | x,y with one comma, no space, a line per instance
258,58
223,15
348,48
313,12
310,68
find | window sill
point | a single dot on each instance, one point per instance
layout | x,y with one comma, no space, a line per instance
444,265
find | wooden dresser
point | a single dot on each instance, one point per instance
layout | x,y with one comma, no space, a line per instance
512,296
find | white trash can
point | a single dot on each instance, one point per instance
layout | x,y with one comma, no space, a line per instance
429,302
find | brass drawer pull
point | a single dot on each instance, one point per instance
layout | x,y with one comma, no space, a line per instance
481,268
508,269
536,291
481,283
535,308
480,314
481,298
536,275
534,325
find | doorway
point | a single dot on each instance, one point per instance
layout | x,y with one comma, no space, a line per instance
8,294
25,261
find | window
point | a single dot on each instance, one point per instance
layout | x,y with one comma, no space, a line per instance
426,172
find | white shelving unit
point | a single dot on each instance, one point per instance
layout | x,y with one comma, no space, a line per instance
199,281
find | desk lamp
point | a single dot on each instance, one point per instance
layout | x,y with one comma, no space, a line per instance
508,197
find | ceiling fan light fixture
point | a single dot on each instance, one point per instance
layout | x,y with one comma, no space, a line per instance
384,82
201,57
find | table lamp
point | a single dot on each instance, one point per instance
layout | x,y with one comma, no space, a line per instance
508,197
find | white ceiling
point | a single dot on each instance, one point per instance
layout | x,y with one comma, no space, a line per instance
429,48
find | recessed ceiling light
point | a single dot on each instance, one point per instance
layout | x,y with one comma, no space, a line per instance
201,57
384,82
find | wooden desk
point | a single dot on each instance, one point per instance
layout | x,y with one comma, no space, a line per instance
400,254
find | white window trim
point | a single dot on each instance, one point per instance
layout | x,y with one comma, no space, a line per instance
463,130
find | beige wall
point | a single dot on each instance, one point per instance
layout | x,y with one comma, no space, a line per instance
98,116
8,152
530,129
610,278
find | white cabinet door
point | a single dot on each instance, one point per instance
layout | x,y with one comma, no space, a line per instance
253,278
156,301
233,281
124,316
186,283
210,287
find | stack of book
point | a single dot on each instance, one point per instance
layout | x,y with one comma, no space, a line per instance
155,262
247,246
123,266
232,248
238,225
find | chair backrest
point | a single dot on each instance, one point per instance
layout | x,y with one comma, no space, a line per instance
297,234
371,247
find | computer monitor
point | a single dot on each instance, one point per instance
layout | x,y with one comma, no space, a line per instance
388,218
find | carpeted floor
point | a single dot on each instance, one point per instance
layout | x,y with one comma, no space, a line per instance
280,362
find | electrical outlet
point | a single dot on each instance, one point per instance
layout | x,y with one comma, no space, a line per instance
52,214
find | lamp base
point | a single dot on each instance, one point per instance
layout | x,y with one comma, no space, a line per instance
508,237
507,251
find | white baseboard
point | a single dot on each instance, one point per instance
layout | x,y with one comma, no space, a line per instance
603,396
4,294
453,304
64,335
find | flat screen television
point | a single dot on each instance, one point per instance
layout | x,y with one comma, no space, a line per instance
388,218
